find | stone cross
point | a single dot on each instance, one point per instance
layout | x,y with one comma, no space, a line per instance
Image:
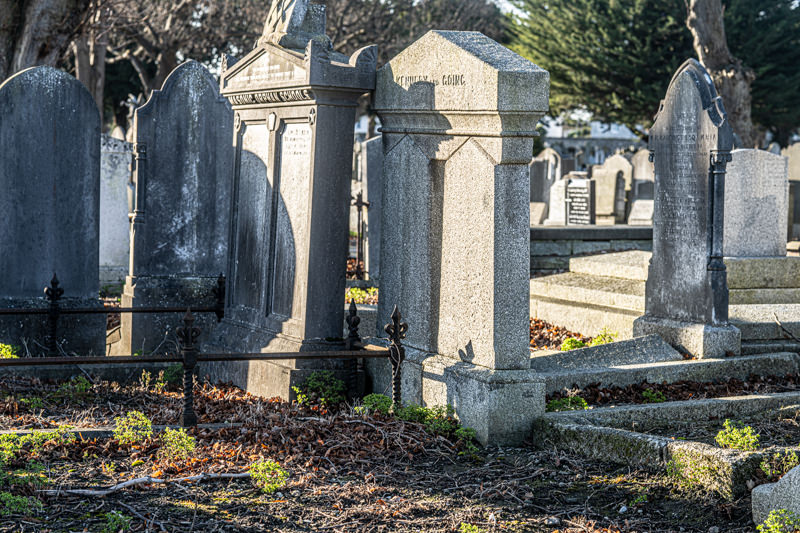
686,293
292,23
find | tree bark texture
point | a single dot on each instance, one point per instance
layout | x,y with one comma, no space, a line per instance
37,32
731,78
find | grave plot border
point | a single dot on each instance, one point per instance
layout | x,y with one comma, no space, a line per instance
189,355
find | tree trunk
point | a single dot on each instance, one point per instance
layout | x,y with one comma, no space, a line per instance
731,78
37,32
90,65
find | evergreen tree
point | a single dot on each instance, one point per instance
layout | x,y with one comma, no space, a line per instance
616,57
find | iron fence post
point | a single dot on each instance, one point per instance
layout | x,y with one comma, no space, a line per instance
187,335
353,342
396,330
53,294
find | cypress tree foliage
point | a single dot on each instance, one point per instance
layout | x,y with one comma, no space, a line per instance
616,57
613,57
765,35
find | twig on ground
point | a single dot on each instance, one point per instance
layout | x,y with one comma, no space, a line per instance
142,481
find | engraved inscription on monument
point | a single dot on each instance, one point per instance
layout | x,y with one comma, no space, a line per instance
292,214
580,202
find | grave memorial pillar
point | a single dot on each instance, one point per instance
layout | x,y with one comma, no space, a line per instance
686,298
294,101
459,114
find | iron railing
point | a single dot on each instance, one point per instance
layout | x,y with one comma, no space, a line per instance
190,356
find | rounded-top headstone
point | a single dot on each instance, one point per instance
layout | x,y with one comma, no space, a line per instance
50,178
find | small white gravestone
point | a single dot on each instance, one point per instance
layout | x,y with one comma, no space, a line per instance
115,183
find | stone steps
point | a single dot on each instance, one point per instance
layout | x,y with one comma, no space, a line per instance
699,370
608,291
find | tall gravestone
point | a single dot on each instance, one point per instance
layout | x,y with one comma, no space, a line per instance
459,115
686,299
295,103
756,204
180,219
580,202
545,171
115,185
50,178
372,172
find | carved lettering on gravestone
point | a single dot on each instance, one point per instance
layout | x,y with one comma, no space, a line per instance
691,141
580,202
292,213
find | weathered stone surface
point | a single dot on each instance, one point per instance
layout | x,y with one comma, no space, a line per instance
557,206
641,213
181,214
643,169
610,186
372,175
545,171
538,210
294,116
459,113
792,153
649,349
756,205
785,494
50,178
115,189
686,283
631,265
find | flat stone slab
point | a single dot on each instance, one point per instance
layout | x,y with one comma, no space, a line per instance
589,289
649,349
757,322
699,370
630,265
785,494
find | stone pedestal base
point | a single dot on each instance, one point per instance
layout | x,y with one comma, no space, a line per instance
146,333
82,335
272,378
700,340
500,405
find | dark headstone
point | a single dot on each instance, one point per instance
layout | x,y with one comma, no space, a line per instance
687,292
181,215
294,100
567,166
538,177
581,202
50,178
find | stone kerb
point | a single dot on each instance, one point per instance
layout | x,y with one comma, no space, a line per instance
459,113
686,289
181,212
50,177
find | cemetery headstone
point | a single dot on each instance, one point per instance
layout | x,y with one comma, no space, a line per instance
180,219
372,165
792,153
610,199
641,213
538,210
580,202
50,177
568,165
116,157
686,295
557,208
538,178
456,188
295,102
756,204
643,175
545,171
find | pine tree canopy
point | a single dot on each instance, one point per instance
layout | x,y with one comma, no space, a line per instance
615,58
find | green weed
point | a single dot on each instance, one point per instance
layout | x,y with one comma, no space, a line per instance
378,403
651,396
604,337
778,464
321,388
132,428
268,476
572,344
570,403
176,444
21,505
9,351
780,521
116,522
737,437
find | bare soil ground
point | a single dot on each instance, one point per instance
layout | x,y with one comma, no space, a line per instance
349,472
